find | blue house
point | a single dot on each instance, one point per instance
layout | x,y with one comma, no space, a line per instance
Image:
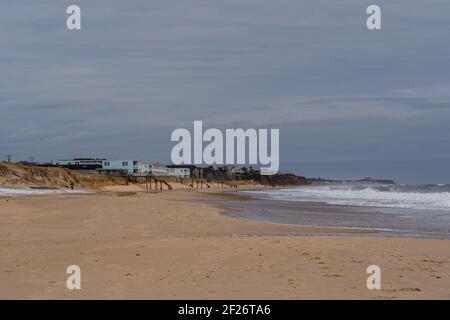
120,166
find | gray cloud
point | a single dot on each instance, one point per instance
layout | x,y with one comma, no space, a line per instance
349,102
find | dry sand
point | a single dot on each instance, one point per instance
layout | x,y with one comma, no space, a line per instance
166,245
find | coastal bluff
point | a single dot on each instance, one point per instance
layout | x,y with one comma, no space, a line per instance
13,174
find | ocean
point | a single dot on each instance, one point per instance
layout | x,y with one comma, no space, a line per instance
421,197
34,191
392,210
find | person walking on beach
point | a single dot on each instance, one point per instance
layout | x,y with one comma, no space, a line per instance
71,185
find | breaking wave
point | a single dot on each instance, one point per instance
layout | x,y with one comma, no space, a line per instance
424,197
31,191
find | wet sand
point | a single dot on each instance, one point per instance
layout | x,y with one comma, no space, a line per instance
173,245
398,222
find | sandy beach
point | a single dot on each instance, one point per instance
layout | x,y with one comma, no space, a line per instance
174,245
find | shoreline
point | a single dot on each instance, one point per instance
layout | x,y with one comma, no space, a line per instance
173,245
359,220
228,209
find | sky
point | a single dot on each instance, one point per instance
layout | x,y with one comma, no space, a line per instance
349,102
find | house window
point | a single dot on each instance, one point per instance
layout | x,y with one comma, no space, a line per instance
124,163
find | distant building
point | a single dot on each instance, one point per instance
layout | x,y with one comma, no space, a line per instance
81,164
143,169
126,167
181,171
119,167
159,170
234,172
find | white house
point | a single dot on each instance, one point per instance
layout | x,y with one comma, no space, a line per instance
180,172
159,170
143,169
126,167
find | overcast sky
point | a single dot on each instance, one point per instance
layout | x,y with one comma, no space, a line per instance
349,102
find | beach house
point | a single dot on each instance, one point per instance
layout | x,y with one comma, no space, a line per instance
181,171
143,169
126,167
119,167
81,164
159,170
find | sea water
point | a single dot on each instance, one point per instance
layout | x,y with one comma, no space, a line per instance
31,191
422,197
394,210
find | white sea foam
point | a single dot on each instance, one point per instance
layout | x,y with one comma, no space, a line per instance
30,191
370,196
